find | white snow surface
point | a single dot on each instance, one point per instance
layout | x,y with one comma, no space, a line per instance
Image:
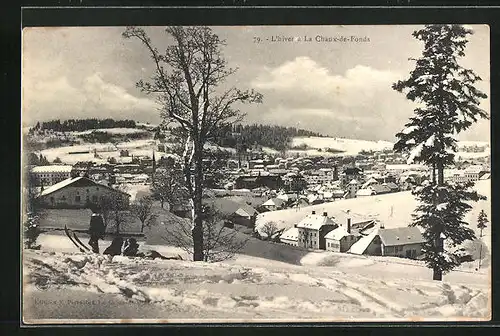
326,286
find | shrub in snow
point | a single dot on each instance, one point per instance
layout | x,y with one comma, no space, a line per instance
31,231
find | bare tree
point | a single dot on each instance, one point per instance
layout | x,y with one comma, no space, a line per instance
168,186
142,209
269,229
220,243
114,210
187,82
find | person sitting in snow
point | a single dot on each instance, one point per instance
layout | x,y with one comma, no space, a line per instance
115,248
96,230
132,250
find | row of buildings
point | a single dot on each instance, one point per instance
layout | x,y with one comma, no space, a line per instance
344,233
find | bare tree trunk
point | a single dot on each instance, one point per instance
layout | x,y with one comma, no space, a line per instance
197,231
437,272
433,173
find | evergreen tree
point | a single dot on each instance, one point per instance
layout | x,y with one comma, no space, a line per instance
441,214
482,220
448,103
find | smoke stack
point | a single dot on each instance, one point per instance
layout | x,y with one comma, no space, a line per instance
349,225
313,212
325,214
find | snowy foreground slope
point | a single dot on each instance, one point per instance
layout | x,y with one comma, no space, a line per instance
62,285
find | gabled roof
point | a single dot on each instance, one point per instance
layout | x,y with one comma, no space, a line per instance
369,182
315,222
362,244
244,212
485,176
380,189
401,236
340,233
274,201
291,234
352,170
392,185
71,181
228,206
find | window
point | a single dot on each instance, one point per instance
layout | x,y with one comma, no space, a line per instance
77,199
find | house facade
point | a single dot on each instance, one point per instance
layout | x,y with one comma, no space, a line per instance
50,175
245,215
313,229
341,239
349,174
79,192
404,242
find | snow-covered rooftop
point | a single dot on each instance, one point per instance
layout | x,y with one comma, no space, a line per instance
339,233
52,169
401,236
365,192
315,221
361,245
291,234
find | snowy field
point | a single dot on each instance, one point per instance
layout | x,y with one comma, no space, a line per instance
63,285
348,146
354,146
68,155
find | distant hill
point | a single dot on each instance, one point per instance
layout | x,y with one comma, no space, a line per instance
247,136
79,125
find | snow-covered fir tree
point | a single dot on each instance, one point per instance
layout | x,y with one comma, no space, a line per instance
447,103
441,213
482,220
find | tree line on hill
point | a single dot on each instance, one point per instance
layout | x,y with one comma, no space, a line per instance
244,137
78,125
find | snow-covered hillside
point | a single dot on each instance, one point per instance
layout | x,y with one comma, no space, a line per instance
354,146
347,146
325,287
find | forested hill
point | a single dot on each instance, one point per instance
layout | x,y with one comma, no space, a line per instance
246,136
78,125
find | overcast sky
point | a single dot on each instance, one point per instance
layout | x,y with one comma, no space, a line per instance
341,89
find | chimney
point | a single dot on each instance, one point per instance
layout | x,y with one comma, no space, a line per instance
325,214
313,212
349,225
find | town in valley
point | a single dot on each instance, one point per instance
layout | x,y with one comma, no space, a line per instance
205,174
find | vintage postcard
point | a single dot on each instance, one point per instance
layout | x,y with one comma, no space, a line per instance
256,174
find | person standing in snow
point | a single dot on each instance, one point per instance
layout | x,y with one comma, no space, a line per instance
96,230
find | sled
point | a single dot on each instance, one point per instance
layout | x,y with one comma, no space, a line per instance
76,241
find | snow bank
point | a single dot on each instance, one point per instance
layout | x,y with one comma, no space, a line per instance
272,290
